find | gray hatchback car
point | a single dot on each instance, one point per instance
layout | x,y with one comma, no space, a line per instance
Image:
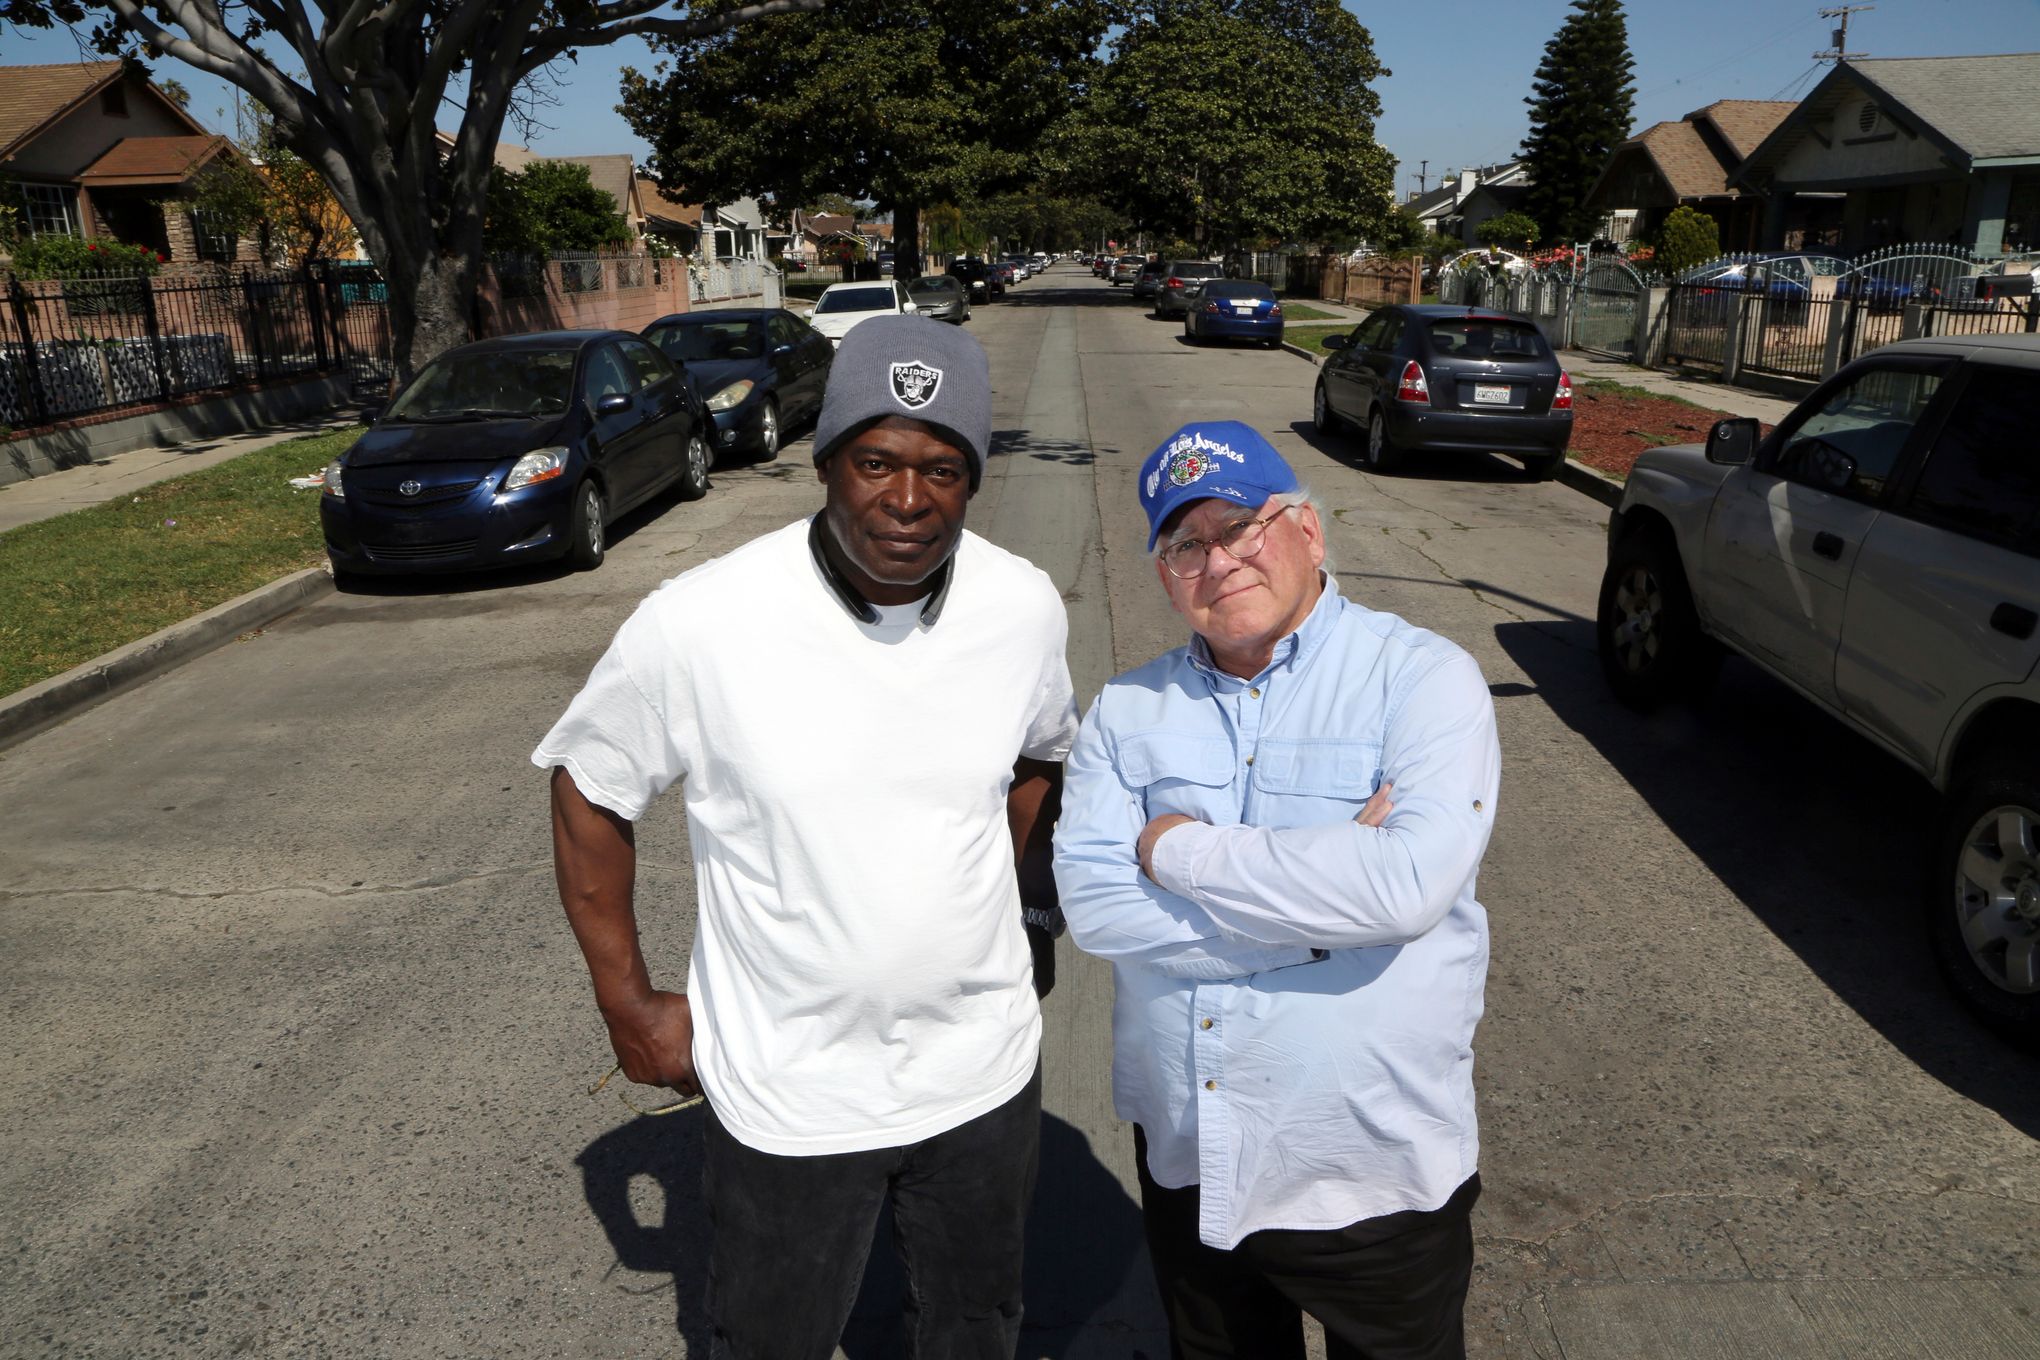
1879,552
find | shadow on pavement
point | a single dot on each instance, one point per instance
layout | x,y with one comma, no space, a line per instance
1083,1236
1052,296
1822,836
1347,448
1026,444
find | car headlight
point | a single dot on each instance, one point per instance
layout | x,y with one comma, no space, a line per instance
332,480
731,395
540,465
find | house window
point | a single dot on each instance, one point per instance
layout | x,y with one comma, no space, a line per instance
213,243
113,100
51,210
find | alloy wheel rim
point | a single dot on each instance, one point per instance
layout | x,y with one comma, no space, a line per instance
770,433
697,460
1377,438
1997,897
591,509
1317,407
1639,604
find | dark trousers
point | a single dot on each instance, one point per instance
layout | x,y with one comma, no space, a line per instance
789,1237
1388,1288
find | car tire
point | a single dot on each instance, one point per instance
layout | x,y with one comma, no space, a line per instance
1543,467
585,545
1323,418
1647,632
1383,454
1985,901
696,458
768,432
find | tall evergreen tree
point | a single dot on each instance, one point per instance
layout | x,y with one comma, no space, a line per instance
1578,116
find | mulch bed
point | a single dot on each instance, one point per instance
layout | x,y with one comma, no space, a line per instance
1610,429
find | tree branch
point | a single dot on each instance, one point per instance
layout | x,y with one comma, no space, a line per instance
631,20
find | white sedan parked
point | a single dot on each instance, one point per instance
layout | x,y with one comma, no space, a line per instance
843,305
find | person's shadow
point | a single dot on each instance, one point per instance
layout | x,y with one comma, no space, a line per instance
1083,1236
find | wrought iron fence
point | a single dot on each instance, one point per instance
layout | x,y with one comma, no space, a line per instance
75,346
1607,307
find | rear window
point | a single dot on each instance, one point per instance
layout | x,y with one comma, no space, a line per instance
857,300
1482,339
1239,288
1190,269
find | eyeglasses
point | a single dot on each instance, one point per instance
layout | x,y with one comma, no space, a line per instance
1242,539
635,1108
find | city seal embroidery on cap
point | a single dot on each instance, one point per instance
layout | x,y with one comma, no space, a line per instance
1190,457
914,384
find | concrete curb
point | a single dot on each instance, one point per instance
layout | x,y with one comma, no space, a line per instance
45,704
1577,475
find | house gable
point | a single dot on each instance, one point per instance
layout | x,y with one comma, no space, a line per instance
56,120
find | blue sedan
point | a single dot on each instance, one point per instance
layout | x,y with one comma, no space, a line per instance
1233,309
760,371
516,450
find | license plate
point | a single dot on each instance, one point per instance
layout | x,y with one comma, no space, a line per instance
1244,308
1491,394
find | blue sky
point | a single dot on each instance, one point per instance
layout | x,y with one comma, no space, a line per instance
1461,69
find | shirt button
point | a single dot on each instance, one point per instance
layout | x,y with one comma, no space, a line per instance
1255,691
1250,760
1211,1086
1204,1024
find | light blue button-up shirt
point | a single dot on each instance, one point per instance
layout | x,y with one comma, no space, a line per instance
1296,993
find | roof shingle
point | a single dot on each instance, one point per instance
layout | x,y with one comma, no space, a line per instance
32,96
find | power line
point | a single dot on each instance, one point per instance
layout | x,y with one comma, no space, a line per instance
1739,54
1790,90
1840,52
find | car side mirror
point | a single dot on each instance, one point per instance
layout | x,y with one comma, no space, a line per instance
1336,342
611,404
1733,442
371,413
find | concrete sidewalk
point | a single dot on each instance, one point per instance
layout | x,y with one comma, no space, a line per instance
1737,401
56,493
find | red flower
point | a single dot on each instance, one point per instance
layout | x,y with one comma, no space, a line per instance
92,247
162,259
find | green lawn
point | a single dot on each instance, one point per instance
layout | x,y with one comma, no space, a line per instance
1312,337
84,583
1301,311
1611,388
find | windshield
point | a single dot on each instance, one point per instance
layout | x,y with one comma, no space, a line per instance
697,340
1483,339
856,300
933,283
1239,288
484,383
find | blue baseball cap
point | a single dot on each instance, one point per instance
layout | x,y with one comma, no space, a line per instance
1207,460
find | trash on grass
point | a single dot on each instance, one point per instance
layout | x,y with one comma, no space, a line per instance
314,482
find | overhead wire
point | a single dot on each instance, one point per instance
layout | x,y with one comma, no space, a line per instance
1740,54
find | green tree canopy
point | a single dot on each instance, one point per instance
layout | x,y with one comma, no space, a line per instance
907,103
1688,238
1579,114
1515,230
551,206
1237,123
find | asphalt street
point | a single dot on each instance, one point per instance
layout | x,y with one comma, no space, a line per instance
298,1045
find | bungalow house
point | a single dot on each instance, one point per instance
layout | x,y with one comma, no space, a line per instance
1688,163
94,148
1923,149
615,174
676,224
1445,208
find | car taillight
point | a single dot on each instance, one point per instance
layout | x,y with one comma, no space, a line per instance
1276,310
1411,386
1213,308
1172,283
1563,401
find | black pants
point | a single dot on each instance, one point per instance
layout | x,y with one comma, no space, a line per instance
1388,1288
790,1236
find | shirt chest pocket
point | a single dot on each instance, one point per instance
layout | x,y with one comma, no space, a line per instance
1176,773
1321,767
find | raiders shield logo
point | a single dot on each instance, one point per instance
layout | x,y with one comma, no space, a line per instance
914,384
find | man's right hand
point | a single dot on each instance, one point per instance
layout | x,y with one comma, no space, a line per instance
654,1041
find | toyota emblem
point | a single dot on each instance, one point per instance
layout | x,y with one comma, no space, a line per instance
411,487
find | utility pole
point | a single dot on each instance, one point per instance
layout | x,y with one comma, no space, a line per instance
1423,176
1840,52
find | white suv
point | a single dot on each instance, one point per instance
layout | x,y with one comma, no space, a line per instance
1879,552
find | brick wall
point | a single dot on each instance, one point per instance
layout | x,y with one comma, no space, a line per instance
621,292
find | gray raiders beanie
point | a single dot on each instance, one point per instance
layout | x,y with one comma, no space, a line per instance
914,367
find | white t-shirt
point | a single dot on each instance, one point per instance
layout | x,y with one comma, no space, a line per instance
860,976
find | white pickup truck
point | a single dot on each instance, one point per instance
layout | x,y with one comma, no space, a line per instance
1879,552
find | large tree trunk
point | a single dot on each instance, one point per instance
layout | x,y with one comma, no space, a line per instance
906,241
431,302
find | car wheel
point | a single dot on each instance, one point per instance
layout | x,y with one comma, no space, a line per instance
1651,645
1382,453
768,432
1323,418
1985,919
585,548
1543,468
694,478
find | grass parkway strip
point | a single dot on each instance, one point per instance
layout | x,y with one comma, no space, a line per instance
84,583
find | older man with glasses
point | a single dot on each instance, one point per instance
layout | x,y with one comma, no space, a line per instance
1298,960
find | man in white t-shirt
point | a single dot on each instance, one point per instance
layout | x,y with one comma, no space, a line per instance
866,713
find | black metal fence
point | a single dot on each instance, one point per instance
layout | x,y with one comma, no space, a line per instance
75,346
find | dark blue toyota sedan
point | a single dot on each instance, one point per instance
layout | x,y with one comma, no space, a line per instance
514,450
